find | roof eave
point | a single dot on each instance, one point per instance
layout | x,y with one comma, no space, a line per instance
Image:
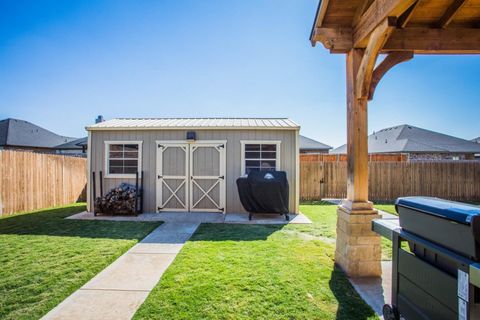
296,128
312,32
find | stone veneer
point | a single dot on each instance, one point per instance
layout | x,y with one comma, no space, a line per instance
358,250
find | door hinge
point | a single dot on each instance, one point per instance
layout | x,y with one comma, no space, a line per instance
221,177
221,146
160,177
159,208
160,146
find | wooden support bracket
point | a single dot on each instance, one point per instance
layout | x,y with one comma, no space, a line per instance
375,44
391,60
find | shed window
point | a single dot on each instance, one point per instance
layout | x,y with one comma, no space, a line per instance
258,156
123,159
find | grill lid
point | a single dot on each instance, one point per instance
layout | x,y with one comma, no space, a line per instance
454,211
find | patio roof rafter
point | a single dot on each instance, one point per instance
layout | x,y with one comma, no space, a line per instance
363,30
378,11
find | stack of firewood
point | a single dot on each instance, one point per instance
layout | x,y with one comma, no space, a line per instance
119,200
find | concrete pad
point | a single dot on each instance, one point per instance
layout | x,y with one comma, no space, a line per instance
132,272
198,217
242,218
388,216
98,304
376,291
156,248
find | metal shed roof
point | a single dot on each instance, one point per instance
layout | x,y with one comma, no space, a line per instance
195,123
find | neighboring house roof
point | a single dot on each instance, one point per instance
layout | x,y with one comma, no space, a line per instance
310,144
409,139
74,144
20,133
476,140
194,123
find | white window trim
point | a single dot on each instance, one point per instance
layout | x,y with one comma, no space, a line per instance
242,152
107,158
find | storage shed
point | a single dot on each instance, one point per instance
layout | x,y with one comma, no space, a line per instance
191,164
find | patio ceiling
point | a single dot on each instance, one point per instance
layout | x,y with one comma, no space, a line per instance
419,26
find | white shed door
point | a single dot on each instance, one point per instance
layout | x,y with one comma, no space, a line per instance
172,179
207,177
191,177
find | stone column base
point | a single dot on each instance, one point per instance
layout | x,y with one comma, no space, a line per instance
358,250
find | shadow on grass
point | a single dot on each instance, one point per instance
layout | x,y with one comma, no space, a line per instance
350,304
234,232
52,222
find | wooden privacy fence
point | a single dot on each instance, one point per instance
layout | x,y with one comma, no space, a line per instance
30,181
455,180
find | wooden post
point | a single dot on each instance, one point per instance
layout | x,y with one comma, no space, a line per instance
141,192
101,183
358,250
357,140
92,200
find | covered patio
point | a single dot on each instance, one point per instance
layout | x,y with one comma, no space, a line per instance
363,30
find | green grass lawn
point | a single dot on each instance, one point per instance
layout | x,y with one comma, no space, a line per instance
390,208
258,272
44,257
386,244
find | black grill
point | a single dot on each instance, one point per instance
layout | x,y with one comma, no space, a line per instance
436,274
264,192
453,225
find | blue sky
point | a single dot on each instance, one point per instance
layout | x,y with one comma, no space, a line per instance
64,62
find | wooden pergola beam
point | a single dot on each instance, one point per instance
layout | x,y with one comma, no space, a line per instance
418,40
450,13
378,11
376,42
435,41
334,38
391,60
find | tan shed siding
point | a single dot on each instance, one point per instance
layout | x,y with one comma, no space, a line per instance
233,157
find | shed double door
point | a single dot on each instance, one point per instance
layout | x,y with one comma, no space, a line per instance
191,176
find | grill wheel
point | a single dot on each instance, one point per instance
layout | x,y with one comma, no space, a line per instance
390,312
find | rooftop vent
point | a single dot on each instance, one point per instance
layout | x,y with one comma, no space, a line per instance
99,119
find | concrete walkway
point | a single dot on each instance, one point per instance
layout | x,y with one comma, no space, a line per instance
119,290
